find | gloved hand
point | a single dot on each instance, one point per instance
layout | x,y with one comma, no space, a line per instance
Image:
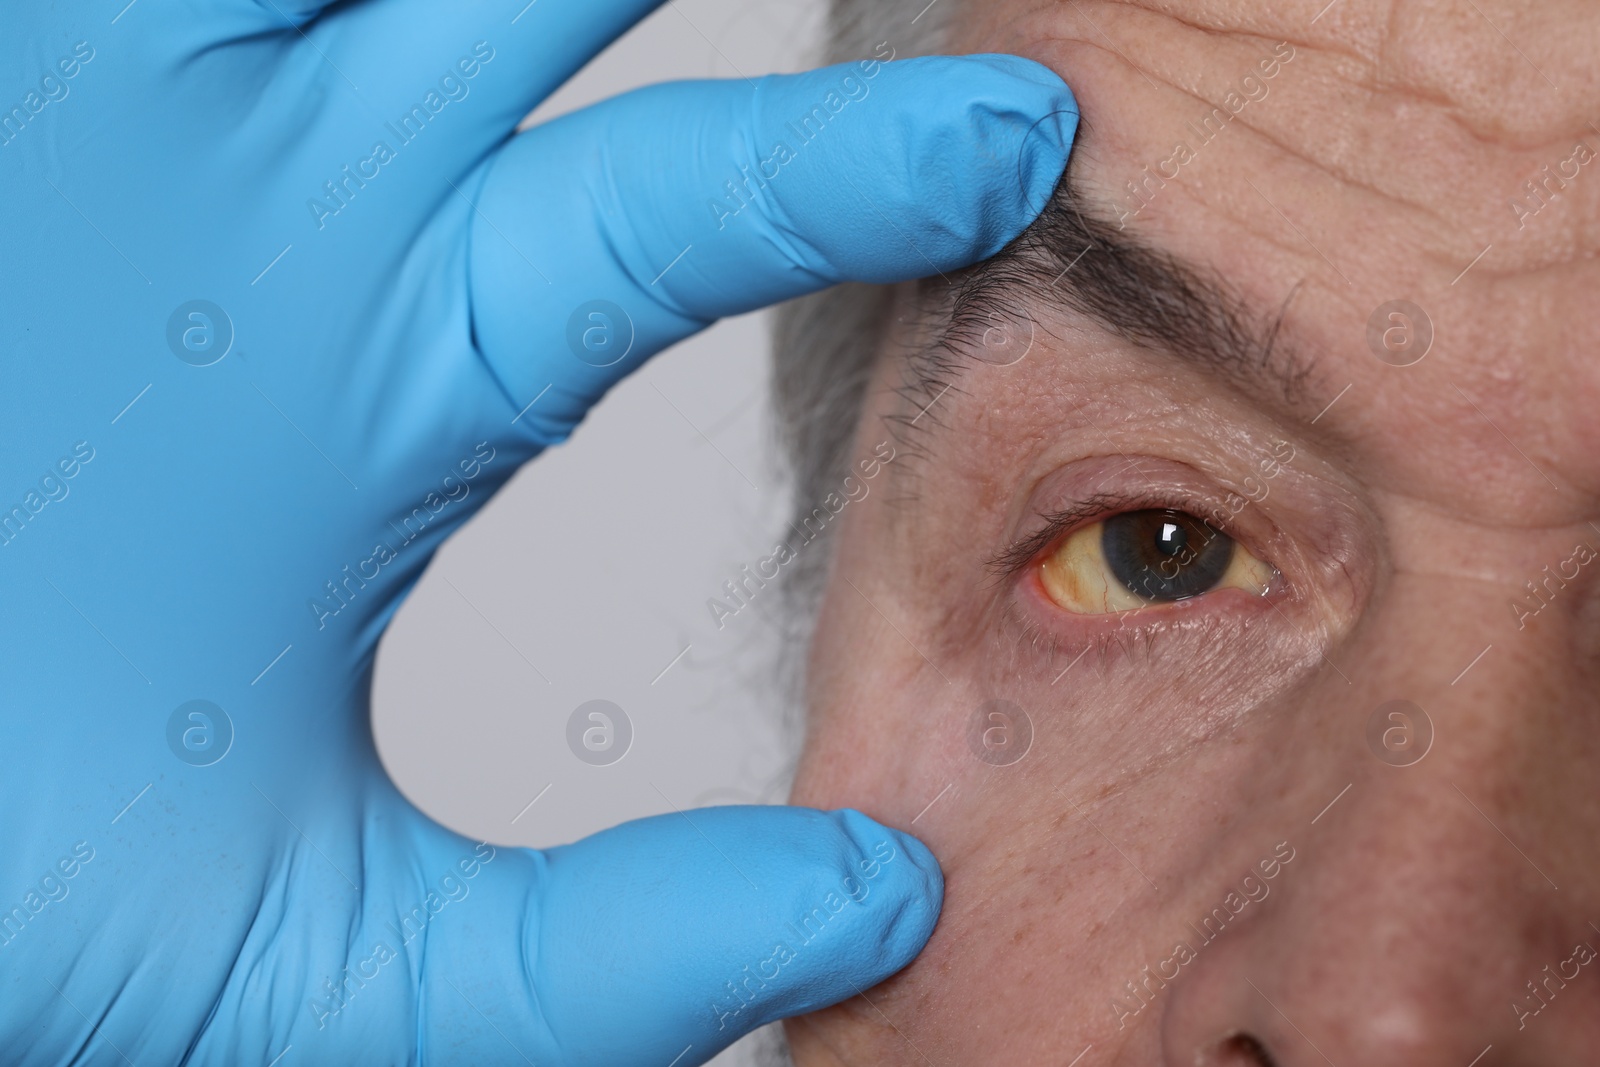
280,287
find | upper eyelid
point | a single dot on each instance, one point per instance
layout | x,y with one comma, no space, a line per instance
1098,506
1021,552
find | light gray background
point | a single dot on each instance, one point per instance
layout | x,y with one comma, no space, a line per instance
589,573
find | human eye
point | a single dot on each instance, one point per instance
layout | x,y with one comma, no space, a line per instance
1139,558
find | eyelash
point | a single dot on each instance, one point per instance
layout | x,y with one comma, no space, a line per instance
1023,553
1016,557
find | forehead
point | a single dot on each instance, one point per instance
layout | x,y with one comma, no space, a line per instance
1404,180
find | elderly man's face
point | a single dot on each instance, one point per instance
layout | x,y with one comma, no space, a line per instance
1180,819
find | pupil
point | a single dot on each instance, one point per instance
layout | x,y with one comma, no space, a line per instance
1165,555
1172,539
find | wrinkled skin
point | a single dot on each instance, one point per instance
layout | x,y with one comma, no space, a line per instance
1198,743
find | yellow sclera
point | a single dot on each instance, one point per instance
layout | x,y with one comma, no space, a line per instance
1077,578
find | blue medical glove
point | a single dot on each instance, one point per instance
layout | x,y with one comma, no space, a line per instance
285,300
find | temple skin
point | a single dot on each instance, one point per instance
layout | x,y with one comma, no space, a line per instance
1108,893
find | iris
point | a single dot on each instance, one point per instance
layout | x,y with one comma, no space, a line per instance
1139,558
1165,555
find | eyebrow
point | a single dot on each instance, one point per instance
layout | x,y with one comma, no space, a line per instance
1074,261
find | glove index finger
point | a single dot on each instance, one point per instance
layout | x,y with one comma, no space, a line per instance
867,172
667,208
674,936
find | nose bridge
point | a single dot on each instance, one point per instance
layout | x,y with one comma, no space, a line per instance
1476,739
1442,906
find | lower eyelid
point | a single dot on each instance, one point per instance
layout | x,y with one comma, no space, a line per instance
1229,623
1155,614
1217,651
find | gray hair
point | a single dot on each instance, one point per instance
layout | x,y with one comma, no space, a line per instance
823,345
823,349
